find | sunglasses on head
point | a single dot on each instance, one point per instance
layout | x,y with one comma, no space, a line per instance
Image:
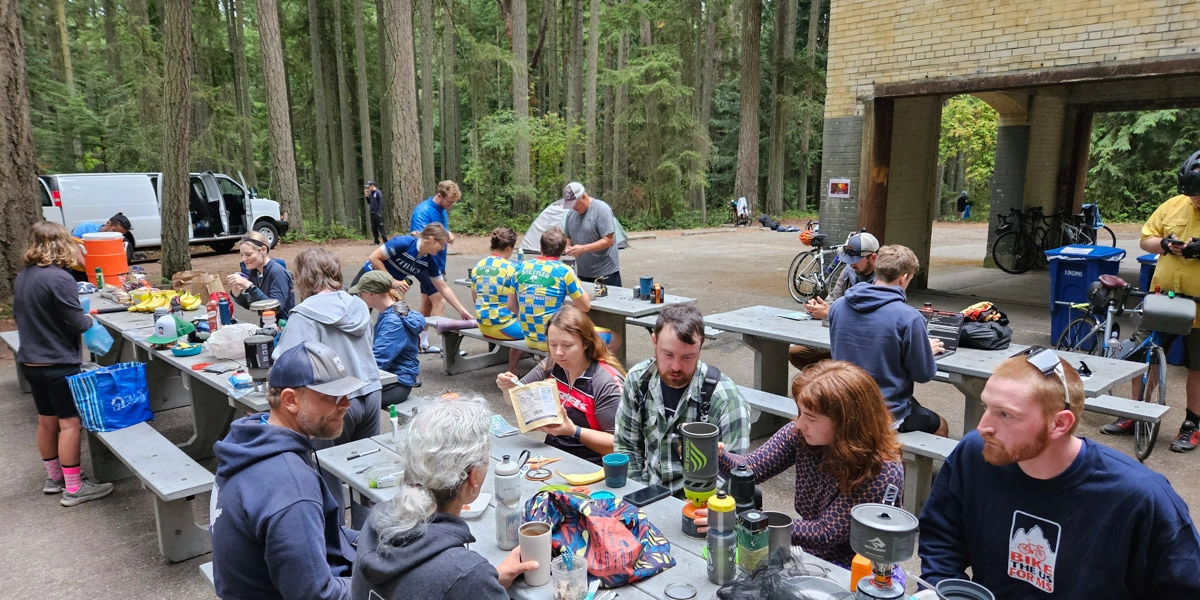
1046,361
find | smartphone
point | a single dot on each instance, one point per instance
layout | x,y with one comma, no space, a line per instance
648,495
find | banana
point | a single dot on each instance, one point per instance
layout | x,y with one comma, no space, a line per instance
582,478
144,305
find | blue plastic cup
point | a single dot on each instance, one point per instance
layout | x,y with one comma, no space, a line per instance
616,469
644,285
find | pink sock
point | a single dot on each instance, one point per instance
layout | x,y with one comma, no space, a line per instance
73,478
53,468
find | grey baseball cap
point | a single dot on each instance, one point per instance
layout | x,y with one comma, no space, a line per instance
314,366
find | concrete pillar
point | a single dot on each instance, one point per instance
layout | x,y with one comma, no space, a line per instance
841,157
1047,113
913,178
1008,179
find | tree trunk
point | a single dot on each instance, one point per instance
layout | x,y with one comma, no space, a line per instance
146,61
593,59
785,49
112,41
387,177
937,189
241,91
552,65
18,161
620,116
451,125
406,150
428,179
324,185
651,130
708,83
746,183
523,196
806,130
352,200
65,45
177,94
575,91
331,119
364,100
279,121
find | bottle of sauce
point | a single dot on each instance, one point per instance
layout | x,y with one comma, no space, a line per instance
214,320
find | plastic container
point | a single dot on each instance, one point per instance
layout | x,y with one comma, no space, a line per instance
105,251
1148,263
1072,269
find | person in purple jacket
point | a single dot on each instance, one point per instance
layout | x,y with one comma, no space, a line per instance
50,321
872,327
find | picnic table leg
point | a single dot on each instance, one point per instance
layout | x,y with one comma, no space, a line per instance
179,537
106,467
972,389
166,384
211,416
770,364
455,364
615,323
918,481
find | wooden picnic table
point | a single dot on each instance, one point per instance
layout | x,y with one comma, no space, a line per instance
769,334
610,311
666,514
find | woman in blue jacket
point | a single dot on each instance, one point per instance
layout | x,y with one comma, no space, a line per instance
262,278
397,330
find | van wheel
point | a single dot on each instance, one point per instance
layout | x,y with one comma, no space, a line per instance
222,246
269,231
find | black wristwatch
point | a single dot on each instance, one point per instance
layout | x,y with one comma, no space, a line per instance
578,432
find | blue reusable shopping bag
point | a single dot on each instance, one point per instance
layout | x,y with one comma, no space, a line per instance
113,397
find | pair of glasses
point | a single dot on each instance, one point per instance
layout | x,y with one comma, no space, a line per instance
1046,361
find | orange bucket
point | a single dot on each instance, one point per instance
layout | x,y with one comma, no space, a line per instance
105,250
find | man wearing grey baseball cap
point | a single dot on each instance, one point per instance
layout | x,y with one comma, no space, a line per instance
592,229
276,529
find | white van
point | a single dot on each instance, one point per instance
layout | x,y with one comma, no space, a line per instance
220,210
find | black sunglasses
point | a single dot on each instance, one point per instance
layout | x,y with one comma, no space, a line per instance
1047,361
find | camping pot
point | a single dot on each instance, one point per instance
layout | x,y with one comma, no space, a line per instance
263,306
961,589
882,533
258,357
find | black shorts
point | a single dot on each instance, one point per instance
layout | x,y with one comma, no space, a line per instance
51,393
920,419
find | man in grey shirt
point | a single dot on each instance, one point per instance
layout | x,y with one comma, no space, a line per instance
592,230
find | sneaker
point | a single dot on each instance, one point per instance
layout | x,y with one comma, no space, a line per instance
89,491
54,486
1118,427
1188,438
431,350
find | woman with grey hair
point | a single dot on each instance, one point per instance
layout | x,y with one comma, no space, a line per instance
414,546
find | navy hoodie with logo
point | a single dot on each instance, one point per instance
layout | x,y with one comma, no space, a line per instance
872,327
433,565
276,529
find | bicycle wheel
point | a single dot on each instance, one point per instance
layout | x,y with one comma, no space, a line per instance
1105,236
804,276
1154,389
1014,253
1082,335
1086,235
1056,236
834,275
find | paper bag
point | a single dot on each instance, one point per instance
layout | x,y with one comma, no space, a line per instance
199,283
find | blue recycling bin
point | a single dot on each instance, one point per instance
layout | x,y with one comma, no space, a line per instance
1072,269
1148,262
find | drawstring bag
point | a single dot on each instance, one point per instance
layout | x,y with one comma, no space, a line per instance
620,544
113,397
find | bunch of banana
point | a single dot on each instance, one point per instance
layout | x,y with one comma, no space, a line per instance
189,301
154,300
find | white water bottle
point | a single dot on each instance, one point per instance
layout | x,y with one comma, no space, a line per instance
508,503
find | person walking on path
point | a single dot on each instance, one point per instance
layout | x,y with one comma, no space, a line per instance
50,321
375,207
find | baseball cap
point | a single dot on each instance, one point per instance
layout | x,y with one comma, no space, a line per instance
169,328
859,245
572,193
314,366
369,184
376,282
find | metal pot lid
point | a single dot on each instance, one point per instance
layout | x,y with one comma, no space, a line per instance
261,305
883,517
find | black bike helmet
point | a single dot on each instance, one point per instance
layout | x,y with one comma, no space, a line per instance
1189,176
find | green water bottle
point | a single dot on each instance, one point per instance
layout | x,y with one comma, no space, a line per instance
99,279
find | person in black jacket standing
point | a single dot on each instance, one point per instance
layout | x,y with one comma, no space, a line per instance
50,321
375,207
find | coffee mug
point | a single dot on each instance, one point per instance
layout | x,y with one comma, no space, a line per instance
616,469
534,540
644,285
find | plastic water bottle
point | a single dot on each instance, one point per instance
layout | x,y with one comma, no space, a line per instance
508,503
269,326
97,338
225,311
520,255
394,417
722,539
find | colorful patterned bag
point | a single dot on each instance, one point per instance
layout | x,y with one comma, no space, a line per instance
621,546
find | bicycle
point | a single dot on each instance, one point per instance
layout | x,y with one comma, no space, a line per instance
1015,250
1090,335
814,272
1100,232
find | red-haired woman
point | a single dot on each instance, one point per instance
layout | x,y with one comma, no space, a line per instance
844,450
590,382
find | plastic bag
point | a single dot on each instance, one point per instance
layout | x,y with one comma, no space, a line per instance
113,397
226,342
781,578
98,340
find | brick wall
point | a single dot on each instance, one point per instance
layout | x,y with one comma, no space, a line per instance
841,156
895,41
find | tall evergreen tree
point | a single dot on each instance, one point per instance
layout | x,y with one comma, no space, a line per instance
177,94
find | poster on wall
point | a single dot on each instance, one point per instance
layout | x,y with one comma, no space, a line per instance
839,188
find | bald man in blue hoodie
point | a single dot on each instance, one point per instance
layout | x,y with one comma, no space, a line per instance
276,529
872,327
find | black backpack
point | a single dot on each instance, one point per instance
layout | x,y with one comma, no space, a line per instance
985,335
711,378
768,222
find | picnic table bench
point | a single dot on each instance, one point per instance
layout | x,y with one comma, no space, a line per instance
173,477
497,352
13,341
648,322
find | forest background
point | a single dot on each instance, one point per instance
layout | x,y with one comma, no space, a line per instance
666,109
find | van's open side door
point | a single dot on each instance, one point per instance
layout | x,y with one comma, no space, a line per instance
216,205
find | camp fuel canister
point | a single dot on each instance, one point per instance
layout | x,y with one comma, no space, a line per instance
722,539
752,540
656,294
689,520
